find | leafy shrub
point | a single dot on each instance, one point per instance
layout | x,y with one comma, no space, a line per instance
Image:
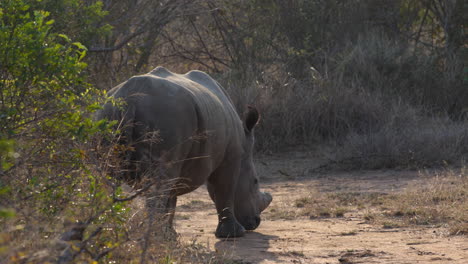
47,173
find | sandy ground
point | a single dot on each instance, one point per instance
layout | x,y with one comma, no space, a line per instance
349,239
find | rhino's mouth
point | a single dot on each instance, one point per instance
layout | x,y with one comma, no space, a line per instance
251,223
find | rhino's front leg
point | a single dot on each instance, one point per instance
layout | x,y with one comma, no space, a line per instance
221,186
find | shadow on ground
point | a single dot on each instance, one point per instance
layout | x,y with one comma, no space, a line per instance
251,244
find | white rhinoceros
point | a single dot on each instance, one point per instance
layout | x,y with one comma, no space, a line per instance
202,140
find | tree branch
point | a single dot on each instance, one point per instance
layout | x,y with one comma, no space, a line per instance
120,45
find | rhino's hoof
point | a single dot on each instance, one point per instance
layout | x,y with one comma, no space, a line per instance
229,229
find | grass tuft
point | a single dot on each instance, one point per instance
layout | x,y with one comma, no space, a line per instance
441,201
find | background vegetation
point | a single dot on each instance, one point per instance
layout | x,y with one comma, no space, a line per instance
381,83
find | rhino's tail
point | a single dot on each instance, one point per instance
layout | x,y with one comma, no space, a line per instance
124,116
126,124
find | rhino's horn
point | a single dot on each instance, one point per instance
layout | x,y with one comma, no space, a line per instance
266,200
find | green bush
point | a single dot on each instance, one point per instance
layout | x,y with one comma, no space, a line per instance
49,172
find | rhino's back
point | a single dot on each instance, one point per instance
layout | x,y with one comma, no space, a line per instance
215,111
207,94
214,107
185,108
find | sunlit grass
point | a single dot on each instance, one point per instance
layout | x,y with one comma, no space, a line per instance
441,201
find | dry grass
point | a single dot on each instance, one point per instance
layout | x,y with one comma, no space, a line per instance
174,252
337,204
109,231
324,205
295,112
167,249
427,142
40,242
378,104
442,202
276,212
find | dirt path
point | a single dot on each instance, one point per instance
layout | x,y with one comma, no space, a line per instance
349,239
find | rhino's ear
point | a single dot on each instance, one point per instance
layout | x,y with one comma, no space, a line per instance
251,118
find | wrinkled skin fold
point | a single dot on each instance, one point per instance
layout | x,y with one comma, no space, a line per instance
201,140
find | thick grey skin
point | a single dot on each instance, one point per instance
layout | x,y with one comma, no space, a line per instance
203,141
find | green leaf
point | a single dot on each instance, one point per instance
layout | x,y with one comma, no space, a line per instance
79,45
65,37
7,213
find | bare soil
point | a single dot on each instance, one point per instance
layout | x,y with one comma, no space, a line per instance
301,239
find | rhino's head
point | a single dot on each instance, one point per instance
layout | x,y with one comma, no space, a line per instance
249,202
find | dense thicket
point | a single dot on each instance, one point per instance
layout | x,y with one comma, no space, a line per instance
377,79
369,75
253,38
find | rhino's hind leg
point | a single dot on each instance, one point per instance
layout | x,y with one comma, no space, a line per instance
161,201
221,188
171,206
169,231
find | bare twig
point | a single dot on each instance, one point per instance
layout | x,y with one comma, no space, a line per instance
420,28
121,44
136,194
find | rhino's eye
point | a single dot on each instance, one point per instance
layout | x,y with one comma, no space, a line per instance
255,181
